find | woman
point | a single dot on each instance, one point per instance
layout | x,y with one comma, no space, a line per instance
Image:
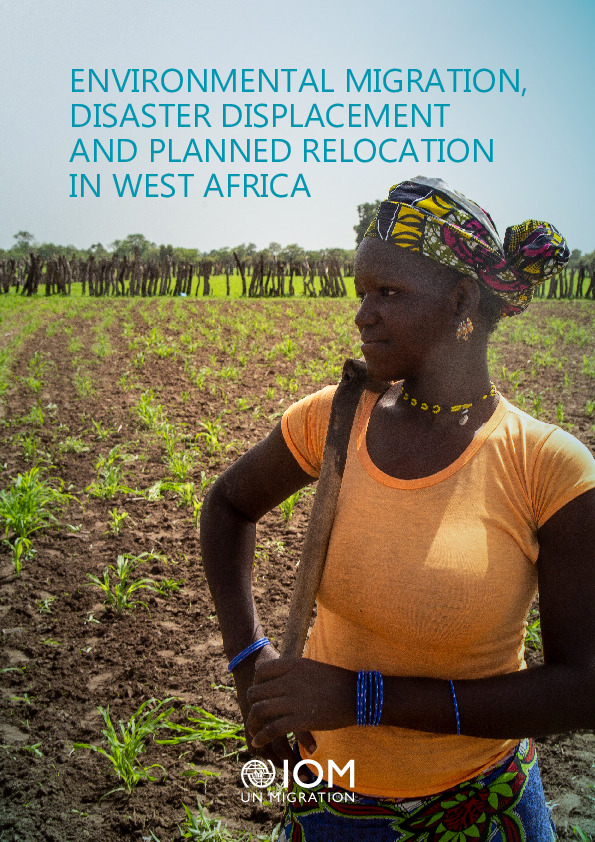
454,507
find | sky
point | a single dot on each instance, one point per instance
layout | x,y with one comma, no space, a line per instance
541,141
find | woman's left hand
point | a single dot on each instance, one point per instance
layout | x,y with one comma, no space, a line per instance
300,695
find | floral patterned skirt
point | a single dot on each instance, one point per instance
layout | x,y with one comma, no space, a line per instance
506,804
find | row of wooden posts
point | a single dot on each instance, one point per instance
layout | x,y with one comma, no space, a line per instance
132,276
261,277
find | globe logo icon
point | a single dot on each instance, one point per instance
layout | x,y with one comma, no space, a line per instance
257,773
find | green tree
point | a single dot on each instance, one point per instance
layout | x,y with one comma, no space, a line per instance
366,213
129,244
25,242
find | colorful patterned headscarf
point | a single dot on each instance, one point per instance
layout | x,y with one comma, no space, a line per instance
426,216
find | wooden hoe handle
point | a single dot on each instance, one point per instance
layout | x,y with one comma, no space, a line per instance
309,574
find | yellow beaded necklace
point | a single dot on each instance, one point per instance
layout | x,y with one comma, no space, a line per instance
435,408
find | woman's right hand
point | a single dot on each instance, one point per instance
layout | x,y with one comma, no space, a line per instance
278,750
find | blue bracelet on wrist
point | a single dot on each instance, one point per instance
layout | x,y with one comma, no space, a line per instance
369,697
254,647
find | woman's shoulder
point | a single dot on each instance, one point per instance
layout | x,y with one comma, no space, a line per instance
540,433
554,465
304,425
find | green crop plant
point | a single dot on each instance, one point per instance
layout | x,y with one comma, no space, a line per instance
101,347
201,828
205,727
205,481
83,384
35,415
44,606
31,448
73,445
560,412
165,587
287,506
533,632
75,345
29,504
110,474
212,430
580,834
116,520
123,749
537,406
198,378
589,408
589,365
101,432
121,588
170,436
229,372
288,384
150,412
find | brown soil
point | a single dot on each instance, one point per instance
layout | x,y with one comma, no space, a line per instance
81,656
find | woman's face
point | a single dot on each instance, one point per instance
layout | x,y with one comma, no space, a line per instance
407,317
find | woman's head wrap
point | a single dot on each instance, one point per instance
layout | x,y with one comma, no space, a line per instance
426,216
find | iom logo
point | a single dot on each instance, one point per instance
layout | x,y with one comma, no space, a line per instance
257,773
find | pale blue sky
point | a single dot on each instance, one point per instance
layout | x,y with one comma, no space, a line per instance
543,161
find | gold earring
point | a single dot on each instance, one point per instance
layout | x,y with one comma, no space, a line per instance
465,329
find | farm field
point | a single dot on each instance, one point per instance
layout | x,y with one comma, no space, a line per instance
117,414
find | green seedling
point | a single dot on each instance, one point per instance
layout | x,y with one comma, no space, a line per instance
533,635
560,412
180,464
110,474
193,772
100,431
287,506
83,384
28,505
165,587
589,408
204,829
116,520
31,449
149,412
210,436
205,727
73,445
200,827
537,406
125,748
44,606
580,834
36,365
33,749
121,588
35,416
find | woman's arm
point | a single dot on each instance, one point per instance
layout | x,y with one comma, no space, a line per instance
260,480
558,696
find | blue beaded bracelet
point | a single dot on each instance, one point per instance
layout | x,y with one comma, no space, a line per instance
454,698
369,697
254,647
